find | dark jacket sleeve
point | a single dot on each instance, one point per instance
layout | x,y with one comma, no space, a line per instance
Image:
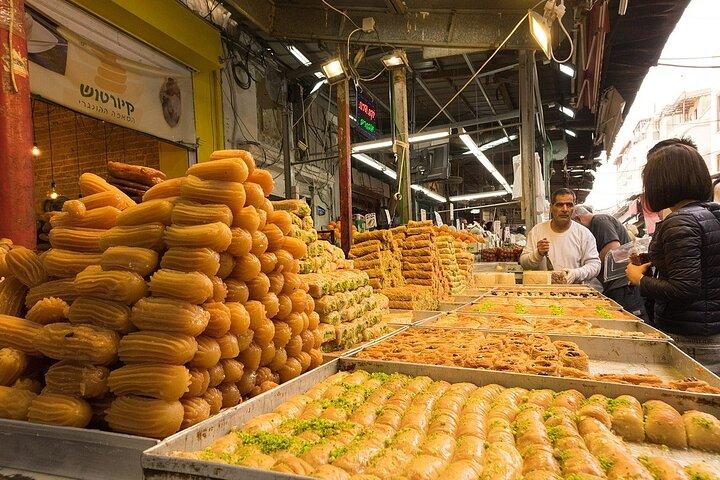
682,280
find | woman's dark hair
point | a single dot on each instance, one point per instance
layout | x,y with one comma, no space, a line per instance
673,173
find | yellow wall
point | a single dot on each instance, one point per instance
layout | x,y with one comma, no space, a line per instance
173,160
173,29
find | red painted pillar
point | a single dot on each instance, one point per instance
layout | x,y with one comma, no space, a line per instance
17,215
343,107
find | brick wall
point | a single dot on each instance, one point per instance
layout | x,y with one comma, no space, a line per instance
82,144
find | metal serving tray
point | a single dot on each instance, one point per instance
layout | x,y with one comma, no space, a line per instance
417,316
159,465
392,330
624,356
551,290
450,306
71,452
464,298
622,325
629,316
613,304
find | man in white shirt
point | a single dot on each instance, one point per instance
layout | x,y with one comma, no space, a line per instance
561,244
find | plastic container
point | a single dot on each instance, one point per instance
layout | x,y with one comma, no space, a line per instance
618,259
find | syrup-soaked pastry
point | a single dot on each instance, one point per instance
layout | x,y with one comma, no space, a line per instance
239,318
79,343
268,353
147,417
99,218
703,430
25,265
248,219
196,410
183,259
76,239
284,306
142,261
292,369
258,286
220,289
250,357
199,382
233,369
208,353
247,382
262,216
90,184
169,315
74,208
30,384
254,195
227,265
102,199
268,262
59,409
264,179
278,360
283,333
295,246
149,235
19,334
285,261
227,169
48,310
627,418
275,237
664,425
702,471
77,379
60,263
292,282
15,403
664,468
157,347
63,288
165,382
282,220
237,291
219,323
259,243
243,155
12,292
230,394
241,243
101,313
214,398
246,268
216,236
12,365
193,287
217,375
231,194
193,213
167,189
122,286
271,303
277,281
152,211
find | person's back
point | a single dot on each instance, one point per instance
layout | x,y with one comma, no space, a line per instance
606,228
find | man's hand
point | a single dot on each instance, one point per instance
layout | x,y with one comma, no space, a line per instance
634,273
569,275
543,247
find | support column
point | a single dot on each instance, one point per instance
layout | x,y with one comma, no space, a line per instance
17,213
527,137
287,148
399,109
343,109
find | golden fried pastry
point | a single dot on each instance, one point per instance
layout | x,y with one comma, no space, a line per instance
151,211
25,265
66,263
193,287
142,261
241,243
259,243
59,409
239,318
258,286
231,194
237,291
664,468
246,268
227,264
157,347
220,289
79,343
167,189
216,236
230,394
243,155
91,184
213,397
147,417
19,334
248,219
12,365
219,323
12,292
208,353
227,169
149,235
76,239
254,195
77,379
282,219
703,430
264,179
101,313
99,218
102,199
193,213
627,418
121,286
48,310
233,369
165,382
63,288
295,246
169,315
217,375
196,410
182,259
199,382
664,425
15,403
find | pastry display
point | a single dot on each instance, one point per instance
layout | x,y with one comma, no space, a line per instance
449,264
411,298
553,309
379,255
421,259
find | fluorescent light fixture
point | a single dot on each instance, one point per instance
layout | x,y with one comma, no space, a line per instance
478,196
334,70
567,111
317,86
568,69
494,143
424,137
352,118
395,59
368,146
540,31
371,162
428,193
319,75
299,55
569,132
485,161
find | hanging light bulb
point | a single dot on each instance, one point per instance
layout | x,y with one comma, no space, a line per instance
35,150
53,194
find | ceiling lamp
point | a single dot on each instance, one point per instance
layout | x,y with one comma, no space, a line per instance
395,59
567,68
478,196
428,193
569,132
35,150
317,85
299,55
334,71
540,30
472,146
567,111
367,146
371,162
425,137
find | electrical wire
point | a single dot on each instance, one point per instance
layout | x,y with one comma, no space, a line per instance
572,46
342,13
686,66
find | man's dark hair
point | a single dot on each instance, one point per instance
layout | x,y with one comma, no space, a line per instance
562,191
672,141
674,173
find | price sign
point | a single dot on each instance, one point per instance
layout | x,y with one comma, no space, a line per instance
370,220
438,219
423,214
366,115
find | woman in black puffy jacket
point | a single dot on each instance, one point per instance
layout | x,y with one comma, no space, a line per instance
685,250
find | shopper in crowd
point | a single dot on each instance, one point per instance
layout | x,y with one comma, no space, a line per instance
561,244
609,234
685,250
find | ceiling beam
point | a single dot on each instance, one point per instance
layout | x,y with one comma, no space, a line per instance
396,6
416,28
424,86
479,84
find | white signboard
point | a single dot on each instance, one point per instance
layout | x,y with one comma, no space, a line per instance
438,219
423,214
370,220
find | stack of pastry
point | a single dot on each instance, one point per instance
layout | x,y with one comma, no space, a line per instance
377,254
449,264
421,259
411,298
349,311
314,259
134,180
379,426
399,234
465,261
